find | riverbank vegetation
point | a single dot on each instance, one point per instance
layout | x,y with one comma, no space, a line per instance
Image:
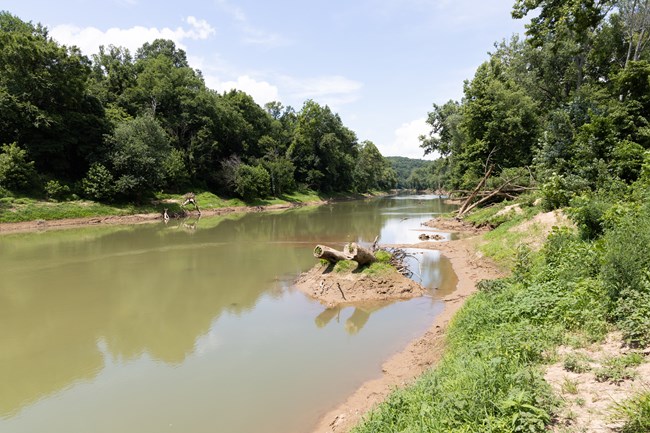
564,111
119,127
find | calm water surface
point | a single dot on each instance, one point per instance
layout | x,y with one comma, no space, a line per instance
194,327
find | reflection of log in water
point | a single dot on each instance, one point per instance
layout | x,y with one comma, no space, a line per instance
326,316
360,317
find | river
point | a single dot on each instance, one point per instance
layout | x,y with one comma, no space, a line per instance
193,326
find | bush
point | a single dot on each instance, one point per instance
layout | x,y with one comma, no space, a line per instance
16,172
558,190
252,182
55,191
98,183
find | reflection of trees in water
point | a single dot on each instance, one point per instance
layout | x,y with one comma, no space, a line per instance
136,291
149,289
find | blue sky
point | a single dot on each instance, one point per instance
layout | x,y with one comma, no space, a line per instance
380,64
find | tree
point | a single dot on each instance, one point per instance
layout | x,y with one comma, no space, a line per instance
322,149
635,15
45,103
445,136
140,149
372,170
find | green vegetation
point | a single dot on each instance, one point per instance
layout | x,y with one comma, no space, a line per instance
636,413
14,209
120,127
618,369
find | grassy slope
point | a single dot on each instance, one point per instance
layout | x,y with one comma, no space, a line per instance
17,209
490,379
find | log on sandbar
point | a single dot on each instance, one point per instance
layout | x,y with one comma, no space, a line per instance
359,254
330,254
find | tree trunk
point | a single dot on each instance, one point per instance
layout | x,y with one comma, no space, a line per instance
330,254
359,254
463,207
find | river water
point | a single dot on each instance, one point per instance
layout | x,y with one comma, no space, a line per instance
193,326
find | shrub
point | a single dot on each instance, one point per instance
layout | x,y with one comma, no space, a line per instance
98,183
558,190
16,172
252,182
55,191
588,212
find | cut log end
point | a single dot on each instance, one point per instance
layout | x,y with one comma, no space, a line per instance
359,254
329,254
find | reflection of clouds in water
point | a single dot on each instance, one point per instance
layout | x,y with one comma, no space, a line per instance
208,343
425,265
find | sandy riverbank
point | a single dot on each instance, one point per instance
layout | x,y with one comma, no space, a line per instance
27,226
425,351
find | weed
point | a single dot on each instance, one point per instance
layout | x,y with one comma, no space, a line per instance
576,363
635,412
619,368
570,386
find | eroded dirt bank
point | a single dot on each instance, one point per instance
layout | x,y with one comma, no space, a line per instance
423,352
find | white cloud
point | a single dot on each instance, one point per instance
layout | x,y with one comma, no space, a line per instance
333,90
261,91
407,140
90,38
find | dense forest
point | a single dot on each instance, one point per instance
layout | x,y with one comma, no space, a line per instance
121,125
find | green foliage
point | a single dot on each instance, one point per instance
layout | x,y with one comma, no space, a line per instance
344,266
252,181
635,413
16,172
576,363
619,368
140,150
55,191
99,183
383,256
558,190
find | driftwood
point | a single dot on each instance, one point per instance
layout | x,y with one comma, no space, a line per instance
330,254
463,208
359,254
351,251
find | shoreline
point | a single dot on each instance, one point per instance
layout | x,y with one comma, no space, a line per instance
71,223
421,353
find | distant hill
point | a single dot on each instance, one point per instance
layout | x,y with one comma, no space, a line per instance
404,167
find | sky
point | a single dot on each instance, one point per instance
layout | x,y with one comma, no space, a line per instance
379,64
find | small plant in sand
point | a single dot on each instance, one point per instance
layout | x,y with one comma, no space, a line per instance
576,363
619,368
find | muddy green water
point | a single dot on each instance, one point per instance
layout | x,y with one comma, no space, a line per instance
194,327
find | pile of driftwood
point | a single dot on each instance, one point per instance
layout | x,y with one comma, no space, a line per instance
507,189
364,256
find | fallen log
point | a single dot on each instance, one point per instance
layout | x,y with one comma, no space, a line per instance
359,254
330,254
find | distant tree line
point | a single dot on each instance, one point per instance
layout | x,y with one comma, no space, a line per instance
568,104
119,126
